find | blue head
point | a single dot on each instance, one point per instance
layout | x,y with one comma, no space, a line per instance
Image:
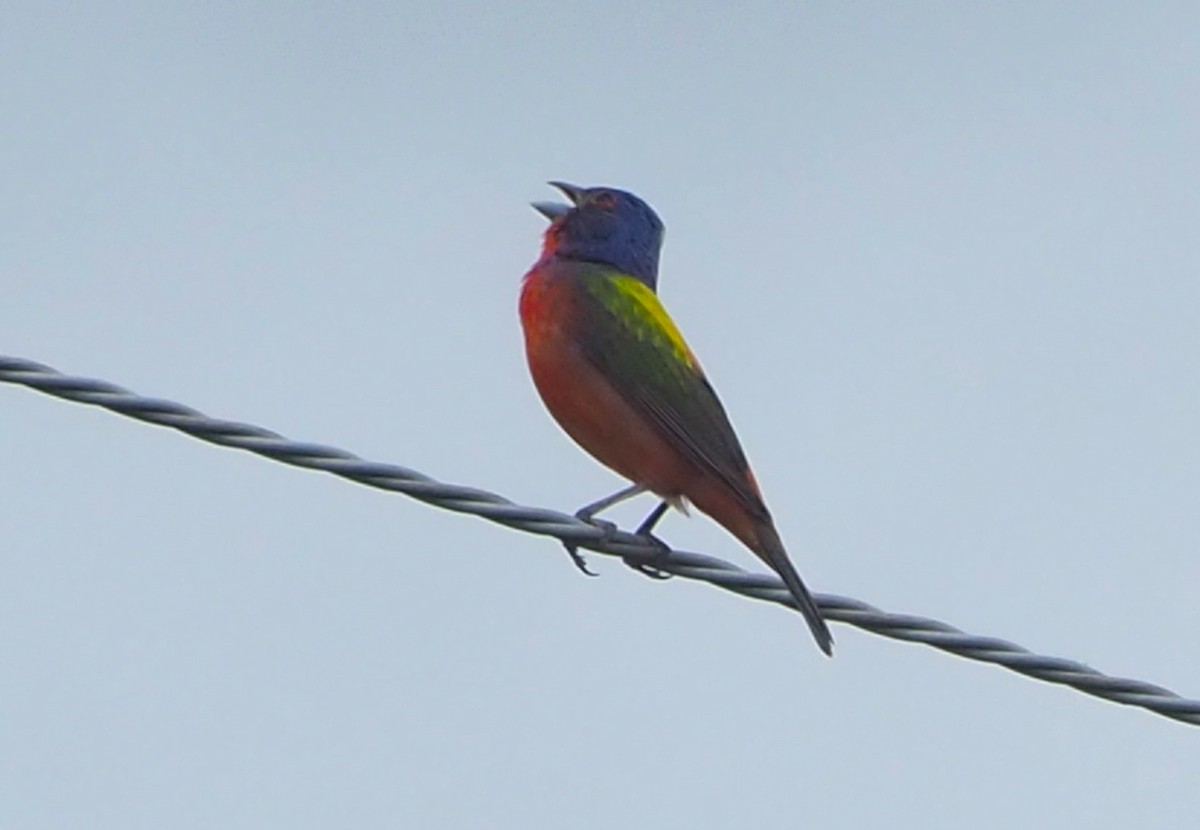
605,225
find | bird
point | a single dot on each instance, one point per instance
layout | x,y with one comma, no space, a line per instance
617,375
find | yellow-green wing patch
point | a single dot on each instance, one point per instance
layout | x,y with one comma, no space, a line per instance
629,337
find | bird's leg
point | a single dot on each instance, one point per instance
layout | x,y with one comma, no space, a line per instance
587,514
650,521
664,549
588,511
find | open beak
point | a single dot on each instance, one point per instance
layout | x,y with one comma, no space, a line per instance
571,191
553,210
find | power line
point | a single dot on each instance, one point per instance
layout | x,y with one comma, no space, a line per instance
570,529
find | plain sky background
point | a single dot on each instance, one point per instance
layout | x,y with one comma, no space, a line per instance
940,260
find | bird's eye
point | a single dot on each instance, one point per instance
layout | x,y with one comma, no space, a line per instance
605,200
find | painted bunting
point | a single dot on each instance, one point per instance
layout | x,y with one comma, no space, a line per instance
617,375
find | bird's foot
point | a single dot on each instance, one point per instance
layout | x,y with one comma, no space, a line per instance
648,567
577,558
606,528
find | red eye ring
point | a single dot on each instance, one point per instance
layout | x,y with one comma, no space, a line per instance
605,200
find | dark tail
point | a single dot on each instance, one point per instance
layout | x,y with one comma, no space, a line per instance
773,553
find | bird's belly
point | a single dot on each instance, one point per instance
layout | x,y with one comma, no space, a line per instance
595,415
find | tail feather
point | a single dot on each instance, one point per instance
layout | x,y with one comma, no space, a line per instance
770,549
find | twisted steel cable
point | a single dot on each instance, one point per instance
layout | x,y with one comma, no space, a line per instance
567,528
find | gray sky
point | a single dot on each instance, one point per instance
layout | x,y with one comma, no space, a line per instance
939,260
